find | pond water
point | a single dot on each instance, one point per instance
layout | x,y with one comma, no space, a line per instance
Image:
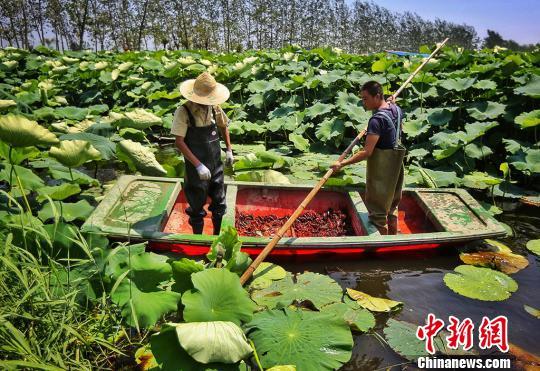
416,279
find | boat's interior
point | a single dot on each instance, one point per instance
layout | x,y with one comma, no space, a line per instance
280,202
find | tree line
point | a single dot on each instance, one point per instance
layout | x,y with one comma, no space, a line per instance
220,25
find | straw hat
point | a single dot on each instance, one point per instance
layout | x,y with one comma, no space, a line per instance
204,90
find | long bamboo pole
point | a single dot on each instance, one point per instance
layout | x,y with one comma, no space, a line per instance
266,251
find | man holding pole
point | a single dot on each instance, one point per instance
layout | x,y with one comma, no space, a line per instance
384,154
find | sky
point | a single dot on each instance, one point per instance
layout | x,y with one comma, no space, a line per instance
516,20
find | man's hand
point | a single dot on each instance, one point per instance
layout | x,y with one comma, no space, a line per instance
391,99
336,166
229,158
204,173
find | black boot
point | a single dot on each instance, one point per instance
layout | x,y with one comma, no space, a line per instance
217,224
197,227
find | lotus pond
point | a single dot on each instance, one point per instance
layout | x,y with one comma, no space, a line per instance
71,123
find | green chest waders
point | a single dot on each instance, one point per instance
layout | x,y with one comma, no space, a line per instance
204,143
384,181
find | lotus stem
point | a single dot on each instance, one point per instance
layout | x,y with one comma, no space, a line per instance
70,174
255,355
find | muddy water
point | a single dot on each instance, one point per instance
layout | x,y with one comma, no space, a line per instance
416,279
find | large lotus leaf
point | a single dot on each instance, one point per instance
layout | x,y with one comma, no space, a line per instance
217,341
181,271
309,340
326,78
18,131
300,143
104,145
59,171
117,260
18,154
528,119
5,103
372,303
534,246
321,290
439,116
476,129
401,337
74,153
440,177
485,85
80,210
282,368
501,258
331,129
486,110
170,356
457,84
71,113
265,176
139,157
218,296
480,283
479,180
148,270
143,309
318,109
29,180
414,128
531,89
448,142
477,152
265,274
58,193
357,318
382,65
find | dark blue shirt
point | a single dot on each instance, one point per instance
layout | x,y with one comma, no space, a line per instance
380,126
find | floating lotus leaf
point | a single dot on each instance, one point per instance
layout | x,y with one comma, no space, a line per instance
181,271
265,274
401,337
140,158
74,153
357,318
372,303
80,210
531,89
18,131
528,119
501,259
480,283
321,290
143,308
534,246
309,340
532,311
58,193
218,296
217,341
486,110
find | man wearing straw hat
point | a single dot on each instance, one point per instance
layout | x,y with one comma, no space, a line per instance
196,125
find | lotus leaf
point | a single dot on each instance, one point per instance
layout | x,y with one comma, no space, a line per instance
476,151
218,296
74,153
217,341
531,89
486,110
235,260
18,131
331,129
104,146
458,85
401,336
319,289
170,356
372,303
528,119
502,258
479,180
532,311
266,176
181,271
300,143
5,103
480,283
309,340
439,117
80,210
58,193
357,318
71,112
318,109
29,180
143,309
140,158
534,246
485,85
265,274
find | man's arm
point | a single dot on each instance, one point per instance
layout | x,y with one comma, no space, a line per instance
371,141
227,137
182,146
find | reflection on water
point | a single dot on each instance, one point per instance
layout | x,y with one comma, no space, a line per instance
417,280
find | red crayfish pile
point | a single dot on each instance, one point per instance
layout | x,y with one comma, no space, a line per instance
331,223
